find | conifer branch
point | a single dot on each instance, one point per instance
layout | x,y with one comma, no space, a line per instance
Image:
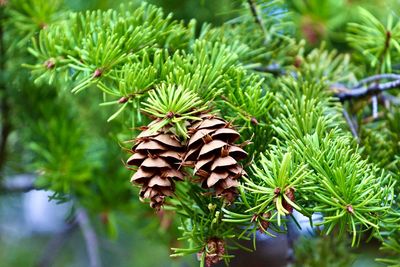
314,166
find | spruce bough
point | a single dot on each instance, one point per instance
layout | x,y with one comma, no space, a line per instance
186,100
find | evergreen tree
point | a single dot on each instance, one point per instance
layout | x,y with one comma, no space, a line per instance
289,105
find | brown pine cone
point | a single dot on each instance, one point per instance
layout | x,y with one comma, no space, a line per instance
158,155
286,205
214,251
211,150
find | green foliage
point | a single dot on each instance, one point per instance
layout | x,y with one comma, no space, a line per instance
94,43
28,17
174,106
320,21
380,141
61,153
350,193
201,221
378,44
330,66
255,72
323,251
248,103
347,196
203,70
272,184
392,246
247,97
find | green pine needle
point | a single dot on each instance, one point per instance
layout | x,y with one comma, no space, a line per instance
175,105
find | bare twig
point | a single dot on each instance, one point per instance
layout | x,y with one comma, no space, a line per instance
375,107
258,18
377,78
342,91
373,89
391,99
351,124
90,236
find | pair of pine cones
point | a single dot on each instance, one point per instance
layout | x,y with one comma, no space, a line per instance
160,157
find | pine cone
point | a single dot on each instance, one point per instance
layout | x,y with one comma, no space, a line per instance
214,251
215,158
264,222
286,205
158,155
